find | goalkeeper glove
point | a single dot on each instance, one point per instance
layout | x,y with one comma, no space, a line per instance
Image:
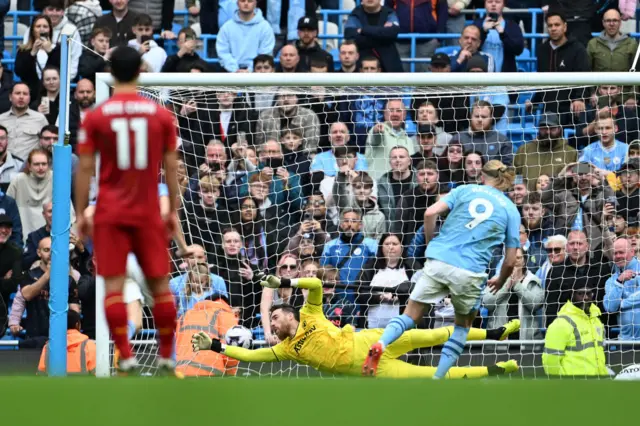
201,341
270,281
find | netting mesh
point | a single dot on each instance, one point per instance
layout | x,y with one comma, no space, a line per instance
270,176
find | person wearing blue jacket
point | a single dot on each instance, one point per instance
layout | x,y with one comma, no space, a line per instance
622,290
9,207
420,16
350,251
378,39
501,38
235,53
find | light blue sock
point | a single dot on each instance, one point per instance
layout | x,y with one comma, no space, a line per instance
395,328
131,329
451,351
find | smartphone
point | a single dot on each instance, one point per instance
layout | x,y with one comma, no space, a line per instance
494,16
307,217
44,36
45,101
613,200
145,38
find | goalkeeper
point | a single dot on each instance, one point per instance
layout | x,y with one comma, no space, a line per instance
309,338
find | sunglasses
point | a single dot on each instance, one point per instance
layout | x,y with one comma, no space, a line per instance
287,266
555,250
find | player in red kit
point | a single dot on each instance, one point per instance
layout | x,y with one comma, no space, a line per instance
133,136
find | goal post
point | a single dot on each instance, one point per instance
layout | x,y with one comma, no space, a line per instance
386,86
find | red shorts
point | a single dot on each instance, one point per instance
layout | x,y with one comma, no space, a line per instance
113,243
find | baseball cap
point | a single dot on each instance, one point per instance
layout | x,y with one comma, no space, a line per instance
6,220
426,129
308,23
477,62
549,119
440,60
635,144
633,164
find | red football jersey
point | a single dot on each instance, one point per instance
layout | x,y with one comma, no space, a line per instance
131,134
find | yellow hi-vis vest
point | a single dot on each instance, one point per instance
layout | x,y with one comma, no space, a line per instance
573,345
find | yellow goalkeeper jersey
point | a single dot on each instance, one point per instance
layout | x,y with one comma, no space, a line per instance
318,343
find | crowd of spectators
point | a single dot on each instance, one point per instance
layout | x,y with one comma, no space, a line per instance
289,183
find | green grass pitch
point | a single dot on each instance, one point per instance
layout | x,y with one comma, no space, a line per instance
78,401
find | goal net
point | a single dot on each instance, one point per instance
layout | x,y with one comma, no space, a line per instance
317,173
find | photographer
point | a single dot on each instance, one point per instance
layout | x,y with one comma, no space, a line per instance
152,54
37,54
186,56
309,238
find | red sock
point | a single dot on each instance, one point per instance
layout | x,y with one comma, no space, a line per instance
116,312
164,315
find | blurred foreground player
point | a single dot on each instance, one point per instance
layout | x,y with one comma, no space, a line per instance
133,136
309,338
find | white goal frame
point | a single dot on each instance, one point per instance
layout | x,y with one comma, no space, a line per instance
397,80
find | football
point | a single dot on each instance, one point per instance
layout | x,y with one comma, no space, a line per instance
631,372
239,336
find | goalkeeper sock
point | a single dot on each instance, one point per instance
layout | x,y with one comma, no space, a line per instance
164,314
131,329
116,313
451,351
395,328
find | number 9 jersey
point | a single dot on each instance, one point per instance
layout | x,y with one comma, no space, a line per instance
480,219
131,134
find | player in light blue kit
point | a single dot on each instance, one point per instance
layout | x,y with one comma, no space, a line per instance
480,218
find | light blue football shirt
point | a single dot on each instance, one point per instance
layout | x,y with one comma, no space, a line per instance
608,159
480,219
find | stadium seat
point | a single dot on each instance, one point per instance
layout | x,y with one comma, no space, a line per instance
525,61
347,5
332,29
448,50
8,31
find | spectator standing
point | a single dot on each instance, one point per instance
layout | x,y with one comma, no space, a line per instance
578,14
60,24
384,283
349,57
10,165
427,113
186,55
622,291
396,182
426,17
456,20
451,165
37,53
152,54
161,13
351,250
416,200
607,154
84,99
356,191
470,42
94,60
501,38
10,267
83,14
628,196
247,24
612,50
573,345
31,189
538,226
196,285
119,22
561,54
9,207
546,155
483,138
375,29
287,113
307,43
426,140
441,62
556,248
521,296
48,101
23,123
385,136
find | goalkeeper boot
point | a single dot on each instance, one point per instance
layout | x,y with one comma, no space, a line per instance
509,367
509,328
128,367
370,367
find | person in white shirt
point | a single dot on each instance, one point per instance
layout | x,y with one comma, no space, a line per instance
152,54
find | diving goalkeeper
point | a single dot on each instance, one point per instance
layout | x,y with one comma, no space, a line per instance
309,338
